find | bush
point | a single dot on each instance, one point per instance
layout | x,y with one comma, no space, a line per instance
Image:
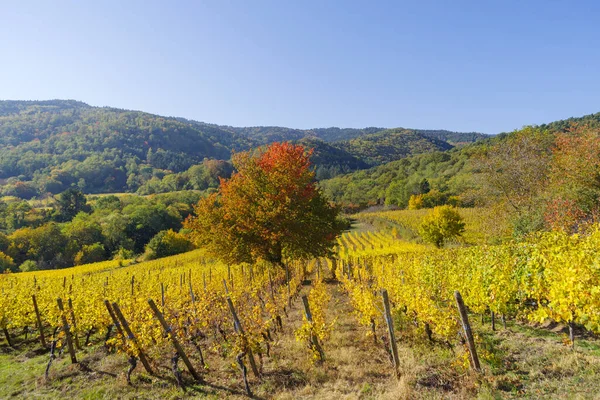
28,265
6,263
90,254
124,254
167,243
415,202
441,224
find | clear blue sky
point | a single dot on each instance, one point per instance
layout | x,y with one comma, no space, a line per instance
487,66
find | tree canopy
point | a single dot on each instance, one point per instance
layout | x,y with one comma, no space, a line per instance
271,209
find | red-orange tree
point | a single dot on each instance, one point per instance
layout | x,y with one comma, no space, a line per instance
270,209
574,180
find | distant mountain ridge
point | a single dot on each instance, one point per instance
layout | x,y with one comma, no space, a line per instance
48,146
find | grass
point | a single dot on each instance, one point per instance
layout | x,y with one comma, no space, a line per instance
521,361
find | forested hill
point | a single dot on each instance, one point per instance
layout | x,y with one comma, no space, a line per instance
437,176
49,146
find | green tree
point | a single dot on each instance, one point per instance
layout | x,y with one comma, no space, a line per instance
6,263
28,265
83,230
167,243
90,254
71,202
441,224
271,210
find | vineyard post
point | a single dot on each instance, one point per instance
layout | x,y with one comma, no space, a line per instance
271,285
132,283
7,335
162,295
238,327
192,293
493,316
467,329
132,337
289,290
390,323
314,339
176,344
67,330
572,334
225,286
39,321
72,313
115,320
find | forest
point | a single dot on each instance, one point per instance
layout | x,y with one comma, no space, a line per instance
47,147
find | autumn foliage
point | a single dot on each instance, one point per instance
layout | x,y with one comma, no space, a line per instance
270,209
574,181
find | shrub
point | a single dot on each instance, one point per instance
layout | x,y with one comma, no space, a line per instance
90,254
167,243
415,202
6,263
28,265
441,224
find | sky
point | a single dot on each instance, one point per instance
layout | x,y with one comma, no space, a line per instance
485,66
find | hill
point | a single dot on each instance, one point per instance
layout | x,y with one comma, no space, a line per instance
392,144
49,146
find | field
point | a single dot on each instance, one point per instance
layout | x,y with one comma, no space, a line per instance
343,352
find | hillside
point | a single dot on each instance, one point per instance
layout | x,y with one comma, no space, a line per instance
451,172
392,144
49,146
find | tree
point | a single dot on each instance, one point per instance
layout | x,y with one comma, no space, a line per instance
71,202
28,265
90,254
4,242
574,180
271,210
441,224
6,263
83,230
167,243
515,170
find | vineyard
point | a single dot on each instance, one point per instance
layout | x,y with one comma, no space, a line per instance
190,325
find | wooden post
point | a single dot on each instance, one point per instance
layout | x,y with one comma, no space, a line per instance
7,335
289,290
271,285
132,337
176,344
67,330
132,283
72,313
192,293
39,321
572,335
115,320
238,328
313,338
390,323
493,315
162,295
467,329
225,286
